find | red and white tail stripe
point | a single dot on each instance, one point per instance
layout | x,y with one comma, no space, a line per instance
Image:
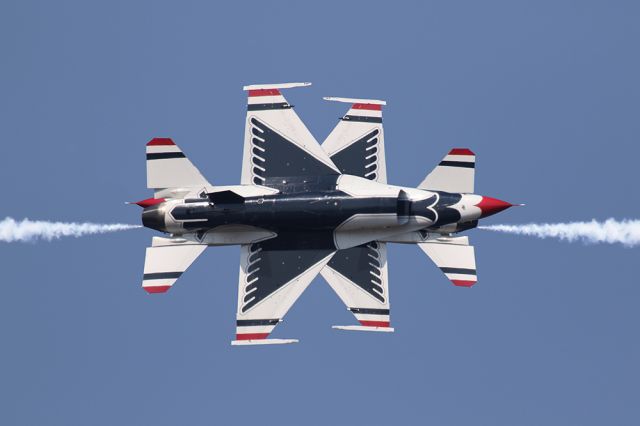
268,96
255,329
369,320
455,258
459,157
265,96
367,110
162,145
255,332
165,261
168,167
455,173
461,277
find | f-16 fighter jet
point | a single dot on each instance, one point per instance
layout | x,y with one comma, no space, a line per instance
304,209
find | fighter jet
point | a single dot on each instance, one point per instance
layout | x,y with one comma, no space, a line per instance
304,209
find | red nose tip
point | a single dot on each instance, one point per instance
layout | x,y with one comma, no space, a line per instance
149,202
491,206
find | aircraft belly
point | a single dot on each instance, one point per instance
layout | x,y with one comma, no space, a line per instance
324,211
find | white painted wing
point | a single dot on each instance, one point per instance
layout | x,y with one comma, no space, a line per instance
356,144
276,141
168,167
455,258
273,274
166,260
455,173
360,277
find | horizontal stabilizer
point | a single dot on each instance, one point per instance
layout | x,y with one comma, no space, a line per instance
263,342
455,258
166,260
168,167
455,173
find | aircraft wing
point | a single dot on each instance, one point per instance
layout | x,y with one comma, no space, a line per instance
455,258
276,141
273,274
356,144
359,276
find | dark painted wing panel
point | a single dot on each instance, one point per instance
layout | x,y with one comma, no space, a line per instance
360,158
362,266
273,155
275,262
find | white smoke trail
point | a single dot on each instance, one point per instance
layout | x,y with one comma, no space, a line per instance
611,231
31,230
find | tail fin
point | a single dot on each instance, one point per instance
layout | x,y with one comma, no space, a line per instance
168,167
455,173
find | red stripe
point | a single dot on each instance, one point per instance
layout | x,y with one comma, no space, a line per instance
157,289
264,92
375,323
370,107
150,202
461,151
251,336
463,283
160,141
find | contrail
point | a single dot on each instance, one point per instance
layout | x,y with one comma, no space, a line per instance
31,230
611,231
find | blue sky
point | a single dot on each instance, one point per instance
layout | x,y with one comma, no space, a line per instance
547,95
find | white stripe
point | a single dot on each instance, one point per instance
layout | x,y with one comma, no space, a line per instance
464,277
254,329
370,317
265,99
158,283
462,158
365,113
155,149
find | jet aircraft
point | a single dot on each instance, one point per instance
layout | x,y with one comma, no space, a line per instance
303,209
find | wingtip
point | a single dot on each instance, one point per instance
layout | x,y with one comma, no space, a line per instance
161,142
156,289
263,342
461,151
464,283
355,100
275,86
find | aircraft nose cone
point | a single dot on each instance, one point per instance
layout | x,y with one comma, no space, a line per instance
490,206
